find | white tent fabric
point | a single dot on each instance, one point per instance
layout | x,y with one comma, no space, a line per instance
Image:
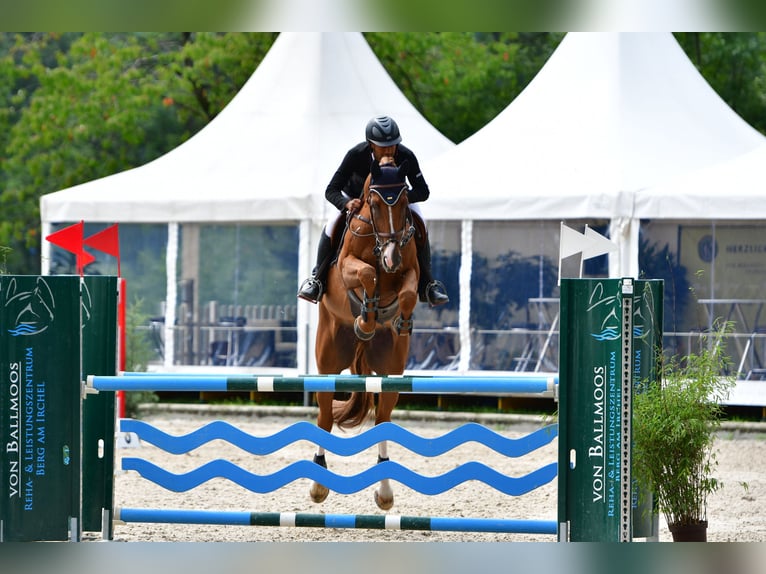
608,115
266,157
733,189
270,153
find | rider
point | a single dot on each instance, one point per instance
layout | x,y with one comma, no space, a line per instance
345,190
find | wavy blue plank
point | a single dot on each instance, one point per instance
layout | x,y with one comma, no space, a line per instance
344,446
343,484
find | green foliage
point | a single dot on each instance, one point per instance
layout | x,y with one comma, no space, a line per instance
138,350
674,425
4,251
479,74
77,107
138,353
209,69
733,64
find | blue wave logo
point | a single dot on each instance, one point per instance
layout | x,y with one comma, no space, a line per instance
638,331
608,334
25,329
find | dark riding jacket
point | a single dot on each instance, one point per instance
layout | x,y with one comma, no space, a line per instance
350,176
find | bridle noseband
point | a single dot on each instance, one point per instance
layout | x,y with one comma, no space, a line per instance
403,235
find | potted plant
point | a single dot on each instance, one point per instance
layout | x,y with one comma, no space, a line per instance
674,426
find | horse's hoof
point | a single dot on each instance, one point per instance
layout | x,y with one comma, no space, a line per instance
384,503
361,335
318,492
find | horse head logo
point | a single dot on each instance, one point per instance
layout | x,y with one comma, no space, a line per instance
30,312
608,306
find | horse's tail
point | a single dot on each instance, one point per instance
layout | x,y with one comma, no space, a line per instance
354,411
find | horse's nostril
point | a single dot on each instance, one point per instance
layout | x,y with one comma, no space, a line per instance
391,257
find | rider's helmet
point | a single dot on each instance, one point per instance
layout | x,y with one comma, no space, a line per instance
382,131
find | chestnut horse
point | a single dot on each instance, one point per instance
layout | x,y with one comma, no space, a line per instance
365,315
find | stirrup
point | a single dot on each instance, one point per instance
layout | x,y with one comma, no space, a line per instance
311,290
436,293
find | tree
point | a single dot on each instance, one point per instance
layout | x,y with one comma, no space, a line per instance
461,80
75,107
103,103
733,64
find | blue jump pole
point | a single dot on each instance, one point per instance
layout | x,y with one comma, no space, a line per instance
535,383
377,522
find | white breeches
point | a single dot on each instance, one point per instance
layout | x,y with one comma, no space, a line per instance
333,221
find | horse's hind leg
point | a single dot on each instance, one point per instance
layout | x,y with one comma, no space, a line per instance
384,494
319,492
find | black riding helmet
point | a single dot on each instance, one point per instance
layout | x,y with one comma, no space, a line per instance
382,131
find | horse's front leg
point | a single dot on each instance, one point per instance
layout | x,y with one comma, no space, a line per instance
319,492
384,494
408,298
357,273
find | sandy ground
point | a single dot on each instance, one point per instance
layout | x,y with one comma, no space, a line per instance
735,513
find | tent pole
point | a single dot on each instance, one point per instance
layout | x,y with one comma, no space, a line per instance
464,308
45,250
171,262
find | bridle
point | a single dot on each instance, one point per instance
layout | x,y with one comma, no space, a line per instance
402,235
389,194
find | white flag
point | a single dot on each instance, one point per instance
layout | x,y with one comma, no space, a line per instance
590,244
586,245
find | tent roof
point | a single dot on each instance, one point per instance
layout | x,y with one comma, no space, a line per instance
270,153
732,189
608,115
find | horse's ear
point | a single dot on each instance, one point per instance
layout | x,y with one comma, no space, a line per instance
375,169
402,172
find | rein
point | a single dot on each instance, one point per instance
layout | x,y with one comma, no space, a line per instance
381,213
382,237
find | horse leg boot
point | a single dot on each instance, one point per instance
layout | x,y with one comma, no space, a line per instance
430,290
384,494
319,492
312,288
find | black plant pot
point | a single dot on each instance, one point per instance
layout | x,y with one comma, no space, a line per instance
694,532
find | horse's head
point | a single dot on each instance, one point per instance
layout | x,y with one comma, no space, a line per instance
386,195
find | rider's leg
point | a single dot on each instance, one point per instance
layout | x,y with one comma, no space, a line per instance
313,287
430,290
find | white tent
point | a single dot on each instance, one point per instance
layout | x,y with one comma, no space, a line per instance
732,189
270,153
608,115
266,157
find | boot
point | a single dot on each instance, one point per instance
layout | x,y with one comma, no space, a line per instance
312,288
430,290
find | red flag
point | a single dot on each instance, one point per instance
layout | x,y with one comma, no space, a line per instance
70,238
107,241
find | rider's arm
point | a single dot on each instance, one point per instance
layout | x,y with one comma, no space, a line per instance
418,187
340,179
